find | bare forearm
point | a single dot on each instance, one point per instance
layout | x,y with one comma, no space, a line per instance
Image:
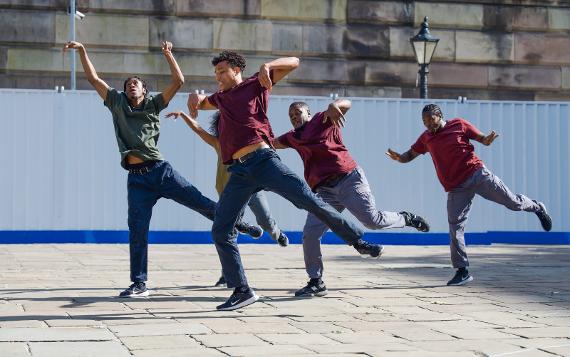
203,134
88,67
407,157
343,104
283,63
176,73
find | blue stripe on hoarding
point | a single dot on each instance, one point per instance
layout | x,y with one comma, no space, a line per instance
203,237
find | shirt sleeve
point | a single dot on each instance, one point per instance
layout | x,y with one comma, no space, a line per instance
284,139
112,99
419,146
159,103
319,117
470,130
213,99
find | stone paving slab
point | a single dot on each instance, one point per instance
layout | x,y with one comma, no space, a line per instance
83,349
60,300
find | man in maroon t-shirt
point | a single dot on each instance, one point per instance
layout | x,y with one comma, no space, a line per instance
245,137
463,175
335,177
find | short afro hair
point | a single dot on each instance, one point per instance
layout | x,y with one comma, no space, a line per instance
234,59
432,109
144,85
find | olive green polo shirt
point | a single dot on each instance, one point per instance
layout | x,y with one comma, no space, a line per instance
137,129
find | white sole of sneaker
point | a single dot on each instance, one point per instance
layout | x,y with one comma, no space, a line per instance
468,280
249,301
145,294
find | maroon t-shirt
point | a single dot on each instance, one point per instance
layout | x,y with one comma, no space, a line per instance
243,116
452,153
321,149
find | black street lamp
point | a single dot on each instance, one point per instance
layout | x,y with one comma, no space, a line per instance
424,45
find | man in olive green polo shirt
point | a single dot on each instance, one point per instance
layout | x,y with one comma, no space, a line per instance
137,128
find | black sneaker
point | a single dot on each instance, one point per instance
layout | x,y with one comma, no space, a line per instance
368,249
221,282
135,290
254,231
238,300
544,217
415,221
461,277
314,287
283,240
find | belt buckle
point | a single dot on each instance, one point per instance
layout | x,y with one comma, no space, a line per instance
245,157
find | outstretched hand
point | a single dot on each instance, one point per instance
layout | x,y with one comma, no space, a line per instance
264,77
488,140
334,115
166,47
393,155
72,45
174,115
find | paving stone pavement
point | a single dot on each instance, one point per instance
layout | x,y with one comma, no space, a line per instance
60,300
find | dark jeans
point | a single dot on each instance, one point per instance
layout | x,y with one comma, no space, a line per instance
143,193
265,171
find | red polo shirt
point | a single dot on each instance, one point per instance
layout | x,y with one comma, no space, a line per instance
243,116
321,149
452,153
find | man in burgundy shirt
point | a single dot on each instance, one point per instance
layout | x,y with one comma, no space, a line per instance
335,177
245,143
463,175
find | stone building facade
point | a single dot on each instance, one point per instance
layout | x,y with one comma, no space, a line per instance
489,49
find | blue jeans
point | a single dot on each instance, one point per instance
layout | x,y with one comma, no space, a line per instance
143,193
265,171
260,207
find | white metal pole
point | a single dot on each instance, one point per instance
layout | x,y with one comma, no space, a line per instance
72,38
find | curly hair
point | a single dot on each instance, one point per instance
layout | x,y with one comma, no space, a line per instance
234,59
215,119
432,109
144,85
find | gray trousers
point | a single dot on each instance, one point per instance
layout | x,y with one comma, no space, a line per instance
260,208
352,193
484,183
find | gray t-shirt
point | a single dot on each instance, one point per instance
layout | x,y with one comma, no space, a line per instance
137,129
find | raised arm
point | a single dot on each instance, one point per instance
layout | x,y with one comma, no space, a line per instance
100,86
176,74
195,126
198,102
281,67
403,158
335,112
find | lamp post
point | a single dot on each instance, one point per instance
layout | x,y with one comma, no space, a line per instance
72,38
73,14
424,45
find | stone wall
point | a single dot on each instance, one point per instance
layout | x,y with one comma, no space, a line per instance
510,49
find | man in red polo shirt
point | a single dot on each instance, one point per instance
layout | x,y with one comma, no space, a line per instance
463,175
335,177
245,138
